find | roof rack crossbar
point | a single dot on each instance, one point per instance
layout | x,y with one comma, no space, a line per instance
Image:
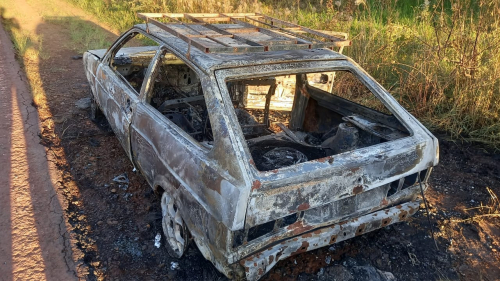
284,30
299,29
283,35
189,38
267,32
222,31
236,37
311,31
186,38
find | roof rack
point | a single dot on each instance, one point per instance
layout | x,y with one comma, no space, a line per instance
243,32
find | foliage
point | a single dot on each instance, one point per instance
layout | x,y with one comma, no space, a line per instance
439,58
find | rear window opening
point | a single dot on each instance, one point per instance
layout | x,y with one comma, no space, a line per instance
291,119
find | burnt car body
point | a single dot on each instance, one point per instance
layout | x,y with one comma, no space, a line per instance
259,154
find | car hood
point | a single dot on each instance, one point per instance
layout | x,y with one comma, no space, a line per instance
98,53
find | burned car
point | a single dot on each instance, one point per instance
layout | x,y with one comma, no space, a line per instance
261,138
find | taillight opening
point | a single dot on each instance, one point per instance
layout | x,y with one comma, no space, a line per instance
406,182
242,236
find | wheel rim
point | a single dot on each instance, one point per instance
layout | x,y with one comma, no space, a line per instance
172,225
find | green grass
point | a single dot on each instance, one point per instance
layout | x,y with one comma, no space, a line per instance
87,37
83,34
22,42
25,43
439,58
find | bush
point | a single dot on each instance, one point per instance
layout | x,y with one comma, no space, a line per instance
438,58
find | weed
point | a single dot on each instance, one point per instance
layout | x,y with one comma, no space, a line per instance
492,209
438,58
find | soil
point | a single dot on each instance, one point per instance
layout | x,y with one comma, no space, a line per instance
33,232
113,224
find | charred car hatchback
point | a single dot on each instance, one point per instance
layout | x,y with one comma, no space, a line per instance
262,140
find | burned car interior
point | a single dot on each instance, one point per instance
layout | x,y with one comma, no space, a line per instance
290,119
340,113
176,91
178,95
133,62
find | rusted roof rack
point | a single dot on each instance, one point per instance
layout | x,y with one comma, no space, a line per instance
243,32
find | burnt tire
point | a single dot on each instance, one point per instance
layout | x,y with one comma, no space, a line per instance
174,228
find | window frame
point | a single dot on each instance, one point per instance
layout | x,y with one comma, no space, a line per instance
149,85
119,43
249,72
349,100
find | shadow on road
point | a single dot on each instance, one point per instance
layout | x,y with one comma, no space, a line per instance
114,222
33,231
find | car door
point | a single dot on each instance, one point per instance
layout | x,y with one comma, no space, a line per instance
180,153
117,91
153,135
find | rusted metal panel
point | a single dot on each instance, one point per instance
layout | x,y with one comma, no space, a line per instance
190,164
259,263
327,215
335,181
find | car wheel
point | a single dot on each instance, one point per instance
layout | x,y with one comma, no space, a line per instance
174,228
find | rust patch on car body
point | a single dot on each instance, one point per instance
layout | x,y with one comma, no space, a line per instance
271,259
299,227
403,215
303,206
307,235
256,185
302,249
360,230
324,159
357,189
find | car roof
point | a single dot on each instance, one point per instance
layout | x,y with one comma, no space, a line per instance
211,61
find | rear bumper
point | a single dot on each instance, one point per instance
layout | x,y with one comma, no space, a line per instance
261,262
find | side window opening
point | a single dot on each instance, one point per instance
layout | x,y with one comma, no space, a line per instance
262,105
131,60
178,95
290,119
347,86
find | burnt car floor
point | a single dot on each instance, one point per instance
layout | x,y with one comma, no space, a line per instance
263,142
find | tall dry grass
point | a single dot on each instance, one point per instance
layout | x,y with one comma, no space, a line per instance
439,58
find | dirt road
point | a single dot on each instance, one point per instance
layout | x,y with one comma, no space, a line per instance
33,236
66,189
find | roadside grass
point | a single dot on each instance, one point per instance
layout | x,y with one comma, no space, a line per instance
28,48
25,43
83,34
22,42
29,45
438,58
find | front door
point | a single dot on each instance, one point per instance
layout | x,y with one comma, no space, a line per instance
122,74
